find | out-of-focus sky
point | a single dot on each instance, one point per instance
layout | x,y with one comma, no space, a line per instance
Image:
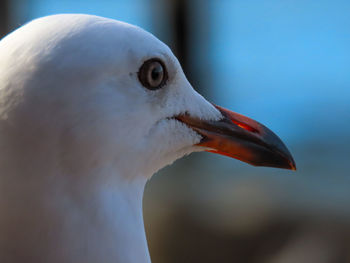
133,11
286,63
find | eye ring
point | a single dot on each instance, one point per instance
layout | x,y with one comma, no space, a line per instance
153,74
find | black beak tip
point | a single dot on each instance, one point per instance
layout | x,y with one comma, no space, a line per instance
286,159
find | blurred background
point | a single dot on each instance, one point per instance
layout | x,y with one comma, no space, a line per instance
284,63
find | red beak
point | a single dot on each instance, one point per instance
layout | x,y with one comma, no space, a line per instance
242,138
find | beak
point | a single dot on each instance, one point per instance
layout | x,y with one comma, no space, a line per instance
242,138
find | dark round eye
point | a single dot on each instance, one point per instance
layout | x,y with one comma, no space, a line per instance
153,74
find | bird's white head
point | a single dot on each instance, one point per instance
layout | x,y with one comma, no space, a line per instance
103,93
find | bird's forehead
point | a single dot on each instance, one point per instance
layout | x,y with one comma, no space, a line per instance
126,41
85,39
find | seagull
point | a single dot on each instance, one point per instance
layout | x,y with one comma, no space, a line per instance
90,109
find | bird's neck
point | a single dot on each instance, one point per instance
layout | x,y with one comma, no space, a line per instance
93,217
64,199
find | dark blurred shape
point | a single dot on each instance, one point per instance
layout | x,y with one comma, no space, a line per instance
180,31
187,34
4,17
279,240
245,219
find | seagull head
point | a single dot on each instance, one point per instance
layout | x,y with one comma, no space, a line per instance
105,93
90,108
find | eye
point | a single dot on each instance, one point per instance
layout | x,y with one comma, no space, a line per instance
153,74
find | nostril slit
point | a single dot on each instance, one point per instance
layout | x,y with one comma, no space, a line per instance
245,126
